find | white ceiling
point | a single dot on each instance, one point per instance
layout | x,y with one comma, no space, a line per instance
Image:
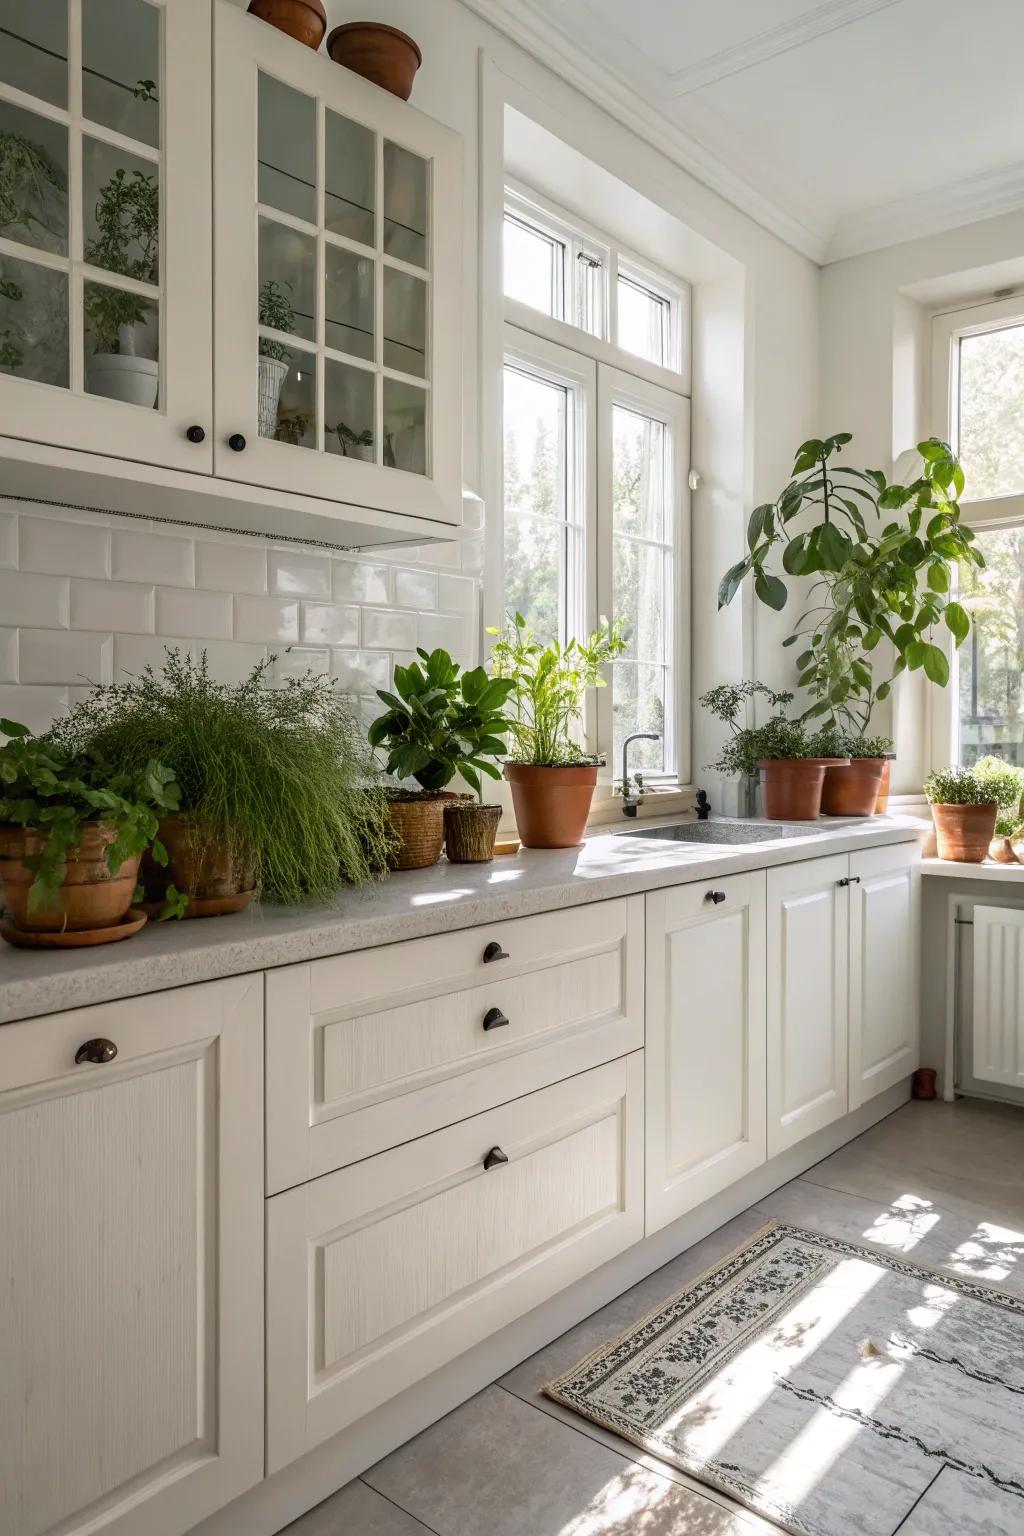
843,126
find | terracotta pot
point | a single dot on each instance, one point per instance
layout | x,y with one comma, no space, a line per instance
963,832
551,804
305,20
1001,849
418,823
196,865
90,897
469,832
882,803
381,54
853,790
791,786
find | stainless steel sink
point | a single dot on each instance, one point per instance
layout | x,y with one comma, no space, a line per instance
727,833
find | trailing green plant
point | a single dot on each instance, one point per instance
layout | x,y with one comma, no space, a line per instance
276,311
441,721
33,190
549,686
56,792
127,241
278,776
957,786
877,580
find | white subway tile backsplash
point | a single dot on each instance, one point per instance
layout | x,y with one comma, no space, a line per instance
385,629
473,553
457,594
329,624
361,671
111,605
161,558
63,549
206,615
295,574
133,652
416,589
34,600
231,567
360,581
62,656
8,541
443,553
231,661
34,707
269,619
450,634
8,655
297,660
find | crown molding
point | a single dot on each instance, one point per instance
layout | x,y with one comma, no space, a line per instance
770,43
929,213
527,25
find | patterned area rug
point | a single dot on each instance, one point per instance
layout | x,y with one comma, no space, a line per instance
835,1390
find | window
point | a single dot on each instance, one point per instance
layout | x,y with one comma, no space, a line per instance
534,267
645,322
991,662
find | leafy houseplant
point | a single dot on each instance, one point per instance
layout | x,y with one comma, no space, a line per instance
440,722
552,778
72,832
127,241
276,786
1005,783
964,809
878,578
275,311
791,760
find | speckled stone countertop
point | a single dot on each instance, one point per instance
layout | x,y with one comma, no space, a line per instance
409,905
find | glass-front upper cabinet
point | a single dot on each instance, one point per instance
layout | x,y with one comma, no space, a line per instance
105,242
338,241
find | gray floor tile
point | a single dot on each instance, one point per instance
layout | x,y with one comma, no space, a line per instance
356,1510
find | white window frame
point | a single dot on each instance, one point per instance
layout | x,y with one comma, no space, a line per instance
582,248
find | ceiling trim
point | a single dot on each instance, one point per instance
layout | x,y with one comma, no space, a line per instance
928,213
525,22
788,35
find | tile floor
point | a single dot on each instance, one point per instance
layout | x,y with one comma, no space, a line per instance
940,1181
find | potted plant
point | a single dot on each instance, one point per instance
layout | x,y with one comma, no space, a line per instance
126,241
441,722
789,760
382,54
552,777
277,791
1005,783
72,833
724,702
964,810
275,310
852,788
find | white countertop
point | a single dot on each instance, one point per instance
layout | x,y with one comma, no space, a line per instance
989,869
408,905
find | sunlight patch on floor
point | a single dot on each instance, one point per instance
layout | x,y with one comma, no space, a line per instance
904,1224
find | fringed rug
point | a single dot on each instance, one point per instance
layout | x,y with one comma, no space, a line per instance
835,1390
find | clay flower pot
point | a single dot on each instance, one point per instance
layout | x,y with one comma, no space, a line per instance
791,786
852,790
882,803
1001,849
90,897
469,831
197,865
417,821
305,20
963,832
551,804
381,54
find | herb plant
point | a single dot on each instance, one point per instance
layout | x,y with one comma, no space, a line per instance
126,241
33,190
958,786
275,310
1003,782
549,686
279,776
439,723
56,792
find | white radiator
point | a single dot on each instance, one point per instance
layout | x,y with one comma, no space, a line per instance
998,1024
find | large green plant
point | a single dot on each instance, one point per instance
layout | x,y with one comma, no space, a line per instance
56,792
127,240
550,684
877,580
280,776
441,721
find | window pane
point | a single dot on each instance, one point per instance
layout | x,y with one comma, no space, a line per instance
405,205
121,67
121,211
639,474
535,501
405,323
991,410
533,573
639,705
287,149
349,200
533,267
643,322
34,186
34,48
349,411
349,300
122,344
638,580
287,277
33,322
991,661
405,427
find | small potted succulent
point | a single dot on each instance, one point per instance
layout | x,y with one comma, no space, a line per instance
1005,783
852,788
275,311
791,764
441,722
964,810
552,777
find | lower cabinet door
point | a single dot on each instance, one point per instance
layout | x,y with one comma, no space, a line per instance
808,937
383,1271
705,1047
131,1263
885,885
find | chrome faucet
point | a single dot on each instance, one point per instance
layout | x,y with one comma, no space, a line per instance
631,798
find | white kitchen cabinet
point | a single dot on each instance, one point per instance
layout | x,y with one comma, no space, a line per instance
705,1041
885,888
131,1263
105,248
808,959
338,241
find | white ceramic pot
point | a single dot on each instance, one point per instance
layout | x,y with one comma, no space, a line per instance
134,380
272,373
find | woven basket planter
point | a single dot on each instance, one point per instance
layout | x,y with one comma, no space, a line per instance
418,824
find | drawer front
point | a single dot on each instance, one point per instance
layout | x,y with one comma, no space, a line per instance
380,1273
370,1049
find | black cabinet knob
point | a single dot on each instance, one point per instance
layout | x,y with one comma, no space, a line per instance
196,435
236,442
715,896
96,1052
494,951
495,1158
494,1019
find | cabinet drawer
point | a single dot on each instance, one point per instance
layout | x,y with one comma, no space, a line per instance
380,1273
371,1049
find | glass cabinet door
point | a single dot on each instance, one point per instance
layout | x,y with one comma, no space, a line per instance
337,282
97,349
